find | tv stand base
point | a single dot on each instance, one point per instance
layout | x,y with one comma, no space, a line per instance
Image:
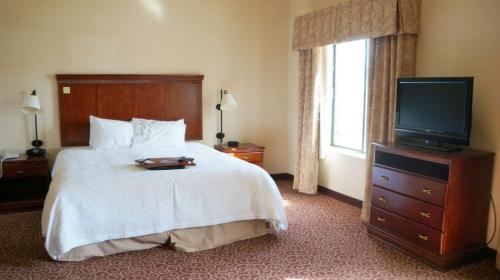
429,145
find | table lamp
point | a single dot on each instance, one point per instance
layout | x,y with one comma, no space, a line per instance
31,106
226,103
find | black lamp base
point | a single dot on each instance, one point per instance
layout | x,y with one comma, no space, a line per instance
220,136
36,152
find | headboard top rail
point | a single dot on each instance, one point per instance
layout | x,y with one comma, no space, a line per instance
127,78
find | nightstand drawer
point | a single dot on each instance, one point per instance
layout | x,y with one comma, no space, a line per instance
414,186
250,157
246,151
13,190
25,170
420,235
24,183
416,210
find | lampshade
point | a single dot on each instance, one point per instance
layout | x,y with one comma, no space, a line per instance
227,103
31,104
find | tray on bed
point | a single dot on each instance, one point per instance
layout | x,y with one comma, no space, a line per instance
165,163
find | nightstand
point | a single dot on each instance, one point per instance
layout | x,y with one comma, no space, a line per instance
246,151
24,183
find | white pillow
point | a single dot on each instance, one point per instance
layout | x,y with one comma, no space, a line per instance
106,134
159,134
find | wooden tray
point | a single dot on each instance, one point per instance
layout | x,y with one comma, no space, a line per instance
166,163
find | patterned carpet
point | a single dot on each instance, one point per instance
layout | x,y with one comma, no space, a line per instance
325,241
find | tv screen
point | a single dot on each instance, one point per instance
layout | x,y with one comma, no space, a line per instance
435,109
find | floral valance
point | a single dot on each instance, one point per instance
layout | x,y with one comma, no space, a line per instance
356,19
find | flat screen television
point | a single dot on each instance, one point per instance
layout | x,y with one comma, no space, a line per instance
434,112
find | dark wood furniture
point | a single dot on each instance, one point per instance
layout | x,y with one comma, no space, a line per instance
123,97
246,151
431,205
24,183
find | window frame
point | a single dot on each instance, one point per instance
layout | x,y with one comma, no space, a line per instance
365,99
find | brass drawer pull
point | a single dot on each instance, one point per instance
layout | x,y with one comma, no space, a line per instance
382,220
20,171
384,178
427,191
423,237
425,214
383,199
245,157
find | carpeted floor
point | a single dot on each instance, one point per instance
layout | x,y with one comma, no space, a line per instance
325,240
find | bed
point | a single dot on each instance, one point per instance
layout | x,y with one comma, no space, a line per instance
100,202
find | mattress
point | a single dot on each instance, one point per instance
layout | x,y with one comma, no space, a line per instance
103,195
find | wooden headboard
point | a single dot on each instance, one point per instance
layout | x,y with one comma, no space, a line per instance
123,97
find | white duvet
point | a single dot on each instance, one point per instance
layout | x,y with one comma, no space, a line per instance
101,195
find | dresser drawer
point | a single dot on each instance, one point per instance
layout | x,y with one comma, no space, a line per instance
414,186
420,235
25,170
416,210
250,157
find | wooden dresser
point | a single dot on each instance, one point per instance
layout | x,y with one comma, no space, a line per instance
24,183
246,151
431,205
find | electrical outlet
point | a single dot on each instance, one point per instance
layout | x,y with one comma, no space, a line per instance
66,90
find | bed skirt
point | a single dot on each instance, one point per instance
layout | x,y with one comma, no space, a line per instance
186,240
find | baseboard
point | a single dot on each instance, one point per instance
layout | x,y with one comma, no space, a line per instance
342,197
323,190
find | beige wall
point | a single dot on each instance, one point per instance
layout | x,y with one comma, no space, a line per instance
239,45
457,38
462,38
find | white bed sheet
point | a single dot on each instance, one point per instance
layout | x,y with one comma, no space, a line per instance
102,195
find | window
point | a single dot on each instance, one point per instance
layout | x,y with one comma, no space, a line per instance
349,95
